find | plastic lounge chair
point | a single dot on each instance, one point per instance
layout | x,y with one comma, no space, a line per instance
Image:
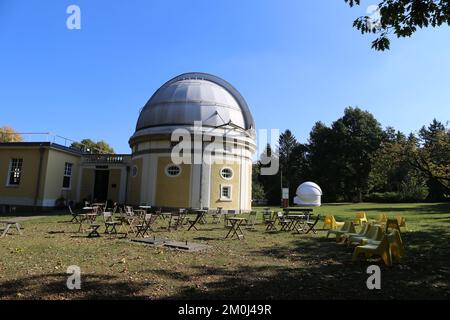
379,249
348,227
362,233
382,218
331,223
392,224
401,221
312,224
396,245
360,218
374,232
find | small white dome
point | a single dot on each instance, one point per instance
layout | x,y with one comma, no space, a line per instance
308,194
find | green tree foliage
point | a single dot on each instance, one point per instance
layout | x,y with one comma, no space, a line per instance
270,183
340,156
90,146
431,155
258,192
402,18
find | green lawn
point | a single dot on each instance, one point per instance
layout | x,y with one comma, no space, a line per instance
263,266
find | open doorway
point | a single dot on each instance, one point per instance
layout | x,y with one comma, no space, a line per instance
101,185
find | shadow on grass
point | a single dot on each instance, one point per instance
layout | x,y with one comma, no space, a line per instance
327,272
53,286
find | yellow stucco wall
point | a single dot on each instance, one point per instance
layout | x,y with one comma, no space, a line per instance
55,173
26,190
172,191
134,190
87,183
217,181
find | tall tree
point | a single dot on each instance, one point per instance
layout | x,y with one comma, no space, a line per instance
432,157
287,143
8,134
340,156
270,183
402,18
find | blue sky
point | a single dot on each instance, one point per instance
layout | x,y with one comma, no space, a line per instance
295,62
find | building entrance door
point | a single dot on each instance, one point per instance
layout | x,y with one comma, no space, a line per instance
101,185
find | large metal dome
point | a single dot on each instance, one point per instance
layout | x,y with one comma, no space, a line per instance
195,97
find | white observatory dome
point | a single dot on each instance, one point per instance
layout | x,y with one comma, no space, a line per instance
308,194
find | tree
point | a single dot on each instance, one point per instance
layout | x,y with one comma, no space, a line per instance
340,156
257,188
402,17
431,155
287,143
8,134
270,183
89,146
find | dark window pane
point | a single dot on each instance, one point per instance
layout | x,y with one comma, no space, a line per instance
66,182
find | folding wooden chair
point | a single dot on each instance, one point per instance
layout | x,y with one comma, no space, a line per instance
283,221
146,225
270,224
250,221
216,215
75,218
311,225
110,223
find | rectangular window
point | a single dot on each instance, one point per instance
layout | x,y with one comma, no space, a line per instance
67,175
225,193
15,172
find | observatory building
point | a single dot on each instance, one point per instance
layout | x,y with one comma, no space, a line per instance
205,112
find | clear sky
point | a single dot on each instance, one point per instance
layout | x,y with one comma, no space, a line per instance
295,62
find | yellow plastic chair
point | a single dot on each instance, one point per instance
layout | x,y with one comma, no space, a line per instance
401,221
382,218
396,245
348,227
380,249
330,223
360,218
373,233
392,224
363,232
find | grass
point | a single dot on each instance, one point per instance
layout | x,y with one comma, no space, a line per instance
263,266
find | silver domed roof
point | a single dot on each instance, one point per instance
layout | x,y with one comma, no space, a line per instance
196,97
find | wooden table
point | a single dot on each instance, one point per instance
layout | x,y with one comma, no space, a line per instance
235,228
10,224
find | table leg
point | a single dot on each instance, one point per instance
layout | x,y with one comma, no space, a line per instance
5,232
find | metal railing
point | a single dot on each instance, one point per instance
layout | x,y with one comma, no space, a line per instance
106,158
